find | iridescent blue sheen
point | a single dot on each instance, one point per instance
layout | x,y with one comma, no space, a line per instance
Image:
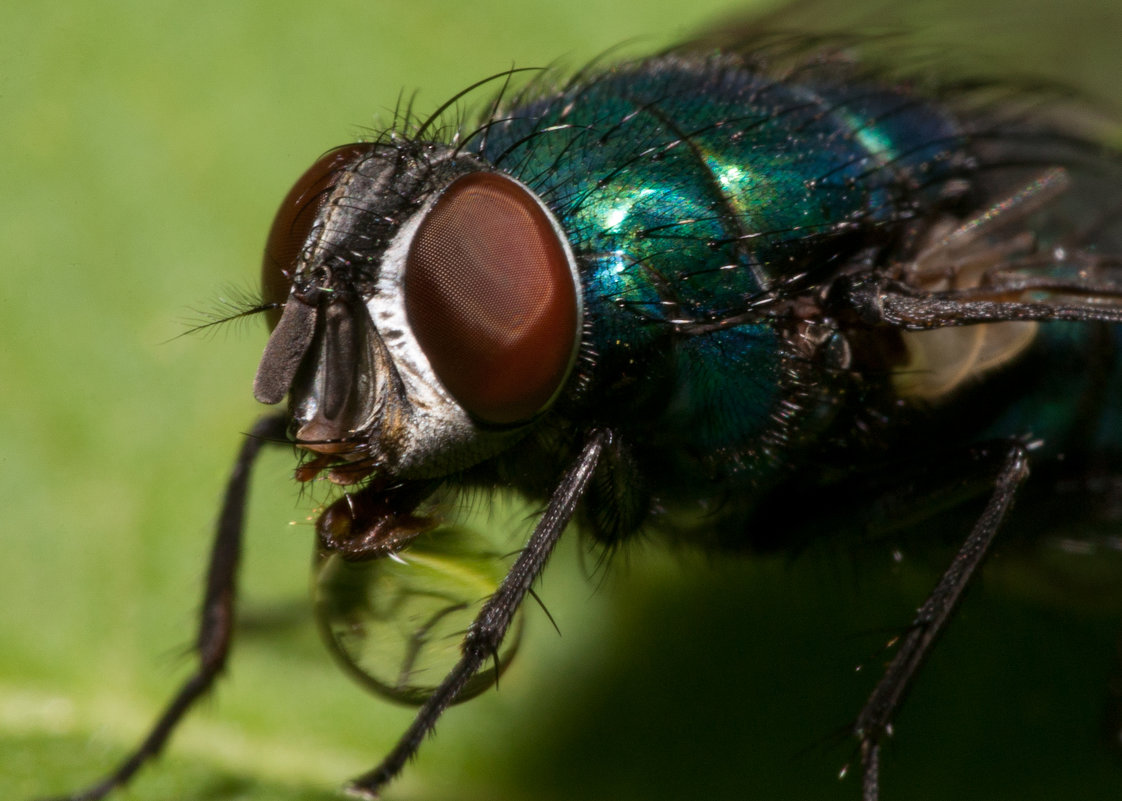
1069,392
690,186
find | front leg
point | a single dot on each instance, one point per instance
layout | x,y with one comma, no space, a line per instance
216,618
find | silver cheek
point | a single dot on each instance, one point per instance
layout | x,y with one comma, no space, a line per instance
437,435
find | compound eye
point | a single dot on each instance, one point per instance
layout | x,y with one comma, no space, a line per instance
293,222
491,299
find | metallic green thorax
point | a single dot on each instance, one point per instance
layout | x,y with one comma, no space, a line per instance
695,190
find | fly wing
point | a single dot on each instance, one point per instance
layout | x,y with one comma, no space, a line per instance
948,38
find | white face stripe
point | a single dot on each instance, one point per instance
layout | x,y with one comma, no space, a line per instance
439,435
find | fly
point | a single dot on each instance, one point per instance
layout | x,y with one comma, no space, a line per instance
683,295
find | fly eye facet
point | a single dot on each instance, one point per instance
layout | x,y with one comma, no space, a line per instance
491,298
293,223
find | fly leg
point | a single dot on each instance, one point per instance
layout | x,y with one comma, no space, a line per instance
216,619
486,632
875,719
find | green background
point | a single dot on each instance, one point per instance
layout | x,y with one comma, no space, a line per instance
145,146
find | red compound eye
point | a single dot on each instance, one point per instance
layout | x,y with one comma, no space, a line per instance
491,299
292,224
